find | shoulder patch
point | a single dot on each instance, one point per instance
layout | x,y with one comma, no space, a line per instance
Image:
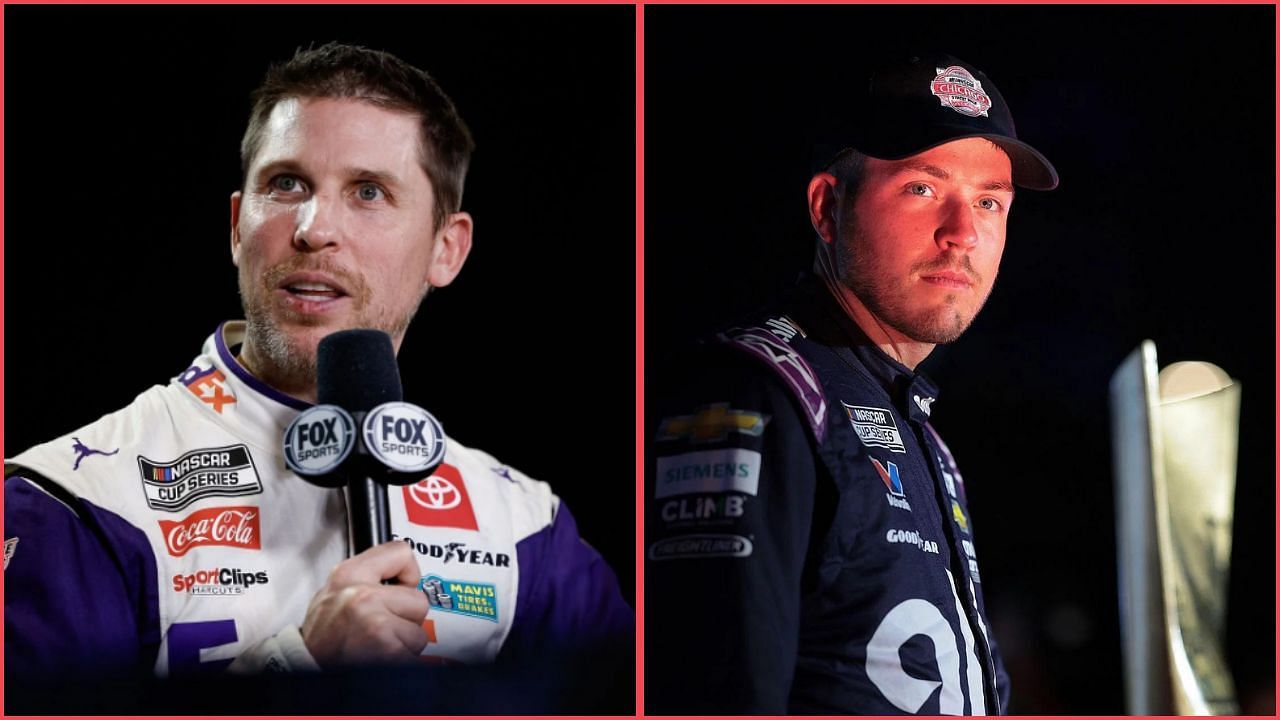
794,370
527,506
784,327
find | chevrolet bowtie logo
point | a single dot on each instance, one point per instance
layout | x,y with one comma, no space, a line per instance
710,424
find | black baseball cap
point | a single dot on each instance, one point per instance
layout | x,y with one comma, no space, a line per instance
919,101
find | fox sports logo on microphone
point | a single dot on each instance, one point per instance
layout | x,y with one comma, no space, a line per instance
404,437
318,440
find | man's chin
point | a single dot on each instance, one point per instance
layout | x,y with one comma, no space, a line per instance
936,325
940,328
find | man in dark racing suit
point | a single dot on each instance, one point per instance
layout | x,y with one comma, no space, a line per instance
797,494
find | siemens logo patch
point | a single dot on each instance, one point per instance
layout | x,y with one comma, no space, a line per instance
708,471
225,471
875,427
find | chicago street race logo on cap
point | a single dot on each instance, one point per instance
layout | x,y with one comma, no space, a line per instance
226,471
959,90
440,501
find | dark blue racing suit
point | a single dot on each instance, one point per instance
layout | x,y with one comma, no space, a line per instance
808,540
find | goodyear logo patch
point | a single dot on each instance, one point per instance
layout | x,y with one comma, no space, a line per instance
712,423
875,427
224,471
708,471
477,600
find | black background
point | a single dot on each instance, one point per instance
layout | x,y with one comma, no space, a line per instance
122,135
1160,121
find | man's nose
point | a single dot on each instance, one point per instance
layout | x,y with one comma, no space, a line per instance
318,223
956,227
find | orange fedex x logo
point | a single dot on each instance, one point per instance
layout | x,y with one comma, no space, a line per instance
208,385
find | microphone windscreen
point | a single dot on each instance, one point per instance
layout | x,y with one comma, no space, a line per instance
356,370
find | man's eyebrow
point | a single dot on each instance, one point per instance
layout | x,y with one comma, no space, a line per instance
925,168
358,173
277,166
378,176
941,174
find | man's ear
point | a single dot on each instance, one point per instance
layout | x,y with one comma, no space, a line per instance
235,228
452,245
822,206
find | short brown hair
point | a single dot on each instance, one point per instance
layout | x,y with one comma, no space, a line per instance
336,70
847,167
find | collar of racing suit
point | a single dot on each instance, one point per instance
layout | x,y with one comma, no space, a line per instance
825,321
232,396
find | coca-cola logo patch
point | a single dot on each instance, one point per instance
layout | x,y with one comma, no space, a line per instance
227,526
959,90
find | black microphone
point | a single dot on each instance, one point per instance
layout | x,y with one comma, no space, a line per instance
356,370
361,436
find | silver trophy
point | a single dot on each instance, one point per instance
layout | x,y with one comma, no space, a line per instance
1174,437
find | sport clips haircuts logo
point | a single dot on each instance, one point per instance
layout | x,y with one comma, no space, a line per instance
227,526
218,581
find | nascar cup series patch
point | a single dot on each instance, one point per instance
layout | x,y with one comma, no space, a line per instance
875,427
959,90
404,437
319,440
208,472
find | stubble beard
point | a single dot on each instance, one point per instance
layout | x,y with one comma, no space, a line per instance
280,358
877,288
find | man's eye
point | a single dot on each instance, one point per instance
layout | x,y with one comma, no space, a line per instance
286,184
920,189
369,192
990,204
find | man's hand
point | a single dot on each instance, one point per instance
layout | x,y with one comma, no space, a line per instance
355,619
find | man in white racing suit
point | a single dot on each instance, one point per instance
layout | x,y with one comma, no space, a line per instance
170,536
